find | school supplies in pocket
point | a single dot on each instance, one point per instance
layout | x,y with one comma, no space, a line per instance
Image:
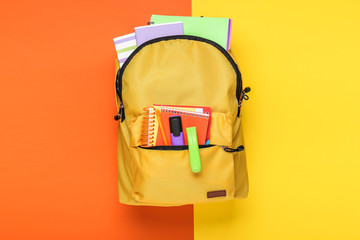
156,126
188,119
196,109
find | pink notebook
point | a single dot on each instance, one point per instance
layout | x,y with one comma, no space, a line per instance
146,33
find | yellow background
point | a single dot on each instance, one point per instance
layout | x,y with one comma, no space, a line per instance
301,124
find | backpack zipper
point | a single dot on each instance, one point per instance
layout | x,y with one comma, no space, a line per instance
244,96
118,82
186,147
121,113
175,147
238,149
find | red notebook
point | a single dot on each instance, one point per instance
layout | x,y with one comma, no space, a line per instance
194,108
188,119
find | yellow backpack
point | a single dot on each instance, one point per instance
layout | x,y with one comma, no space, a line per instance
180,70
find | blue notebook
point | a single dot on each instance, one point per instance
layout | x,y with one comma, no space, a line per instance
146,33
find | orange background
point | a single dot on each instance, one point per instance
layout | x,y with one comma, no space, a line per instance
57,134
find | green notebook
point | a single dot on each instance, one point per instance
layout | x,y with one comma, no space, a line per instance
215,29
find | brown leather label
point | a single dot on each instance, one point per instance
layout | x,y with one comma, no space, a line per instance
220,193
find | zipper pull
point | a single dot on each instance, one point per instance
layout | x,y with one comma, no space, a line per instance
118,116
243,96
238,149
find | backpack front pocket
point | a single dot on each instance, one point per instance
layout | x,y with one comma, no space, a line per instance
220,131
162,176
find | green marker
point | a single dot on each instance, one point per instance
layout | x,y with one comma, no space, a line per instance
194,154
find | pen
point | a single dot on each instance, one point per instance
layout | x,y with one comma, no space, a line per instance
161,126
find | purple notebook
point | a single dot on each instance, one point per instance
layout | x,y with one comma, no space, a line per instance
146,33
229,35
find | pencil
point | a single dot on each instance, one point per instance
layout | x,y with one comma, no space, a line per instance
161,126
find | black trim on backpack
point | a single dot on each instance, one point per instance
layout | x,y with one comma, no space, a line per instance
186,147
175,147
118,83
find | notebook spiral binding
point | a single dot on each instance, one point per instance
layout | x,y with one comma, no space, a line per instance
186,113
147,138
